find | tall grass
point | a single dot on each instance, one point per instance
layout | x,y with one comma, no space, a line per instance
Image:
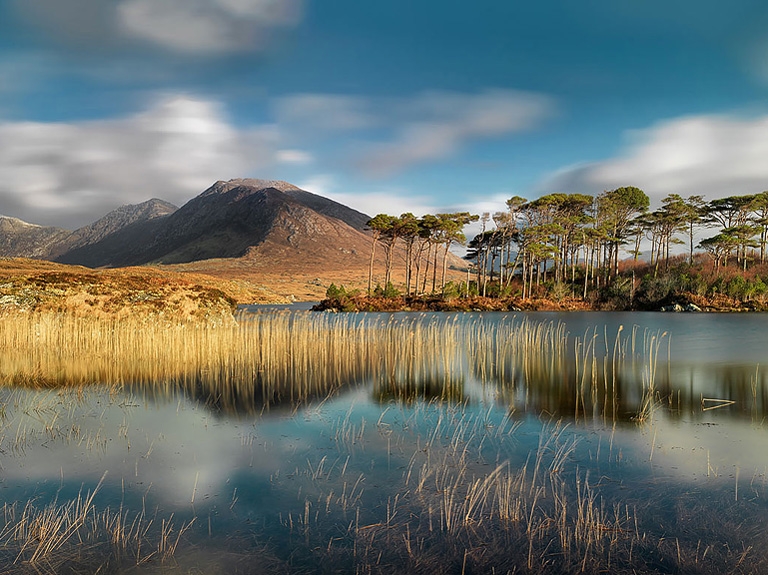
268,359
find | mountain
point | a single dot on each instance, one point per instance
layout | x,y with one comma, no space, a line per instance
317,203
117,220
294,241
228,220
22,239
111,238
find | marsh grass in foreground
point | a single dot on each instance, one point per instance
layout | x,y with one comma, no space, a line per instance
75,536
52,533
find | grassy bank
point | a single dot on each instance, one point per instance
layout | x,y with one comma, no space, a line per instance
32,286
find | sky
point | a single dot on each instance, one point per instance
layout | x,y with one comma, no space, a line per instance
404,105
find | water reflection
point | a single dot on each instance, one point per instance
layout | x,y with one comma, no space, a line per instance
377,442
532,364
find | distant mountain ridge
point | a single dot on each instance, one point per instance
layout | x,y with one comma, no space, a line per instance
264,220
21,239
118,219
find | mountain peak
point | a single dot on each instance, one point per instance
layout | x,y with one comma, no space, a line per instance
222,187
17,222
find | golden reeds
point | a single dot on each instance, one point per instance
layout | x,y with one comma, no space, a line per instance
271,358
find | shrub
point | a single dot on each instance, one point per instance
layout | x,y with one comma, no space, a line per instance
337,297
335,292
737,287
390,291
451,291
618,293
656,289
560,290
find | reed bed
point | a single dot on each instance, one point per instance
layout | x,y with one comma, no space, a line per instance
281,358
433,486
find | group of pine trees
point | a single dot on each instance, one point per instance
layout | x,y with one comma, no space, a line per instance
426,243
574,238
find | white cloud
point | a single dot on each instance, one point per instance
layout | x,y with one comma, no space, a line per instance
325,112
294,157
205,26
402,132
391,200
436,125
182,26
320,184
71,174
713,156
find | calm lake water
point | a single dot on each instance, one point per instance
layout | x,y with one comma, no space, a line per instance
376,478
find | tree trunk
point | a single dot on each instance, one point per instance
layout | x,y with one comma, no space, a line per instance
370,267
445,265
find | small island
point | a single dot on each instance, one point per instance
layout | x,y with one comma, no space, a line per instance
562,252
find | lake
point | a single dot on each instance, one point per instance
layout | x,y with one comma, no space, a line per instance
429,443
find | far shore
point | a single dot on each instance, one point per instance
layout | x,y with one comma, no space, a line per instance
685,303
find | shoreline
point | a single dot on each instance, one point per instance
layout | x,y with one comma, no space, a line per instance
684,303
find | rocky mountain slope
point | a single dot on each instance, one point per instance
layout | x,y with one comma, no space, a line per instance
110,240
227,220
116,220
21,239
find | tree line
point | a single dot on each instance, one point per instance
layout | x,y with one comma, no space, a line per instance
570,237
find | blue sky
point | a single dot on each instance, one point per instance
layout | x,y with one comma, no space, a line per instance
386,106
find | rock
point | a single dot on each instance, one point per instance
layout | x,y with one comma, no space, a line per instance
676,307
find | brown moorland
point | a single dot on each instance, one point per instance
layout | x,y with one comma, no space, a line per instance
35,285
306,273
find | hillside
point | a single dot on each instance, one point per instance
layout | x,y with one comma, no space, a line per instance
225,221
110,240
258,231
22,239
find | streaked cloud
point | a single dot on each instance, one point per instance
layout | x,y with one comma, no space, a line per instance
294,157
206,26
437,125
312,113
372,201
182,26
69,174
408,131
715,156
394,201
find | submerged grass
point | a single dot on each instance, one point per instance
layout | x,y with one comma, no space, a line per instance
77,537
458,506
